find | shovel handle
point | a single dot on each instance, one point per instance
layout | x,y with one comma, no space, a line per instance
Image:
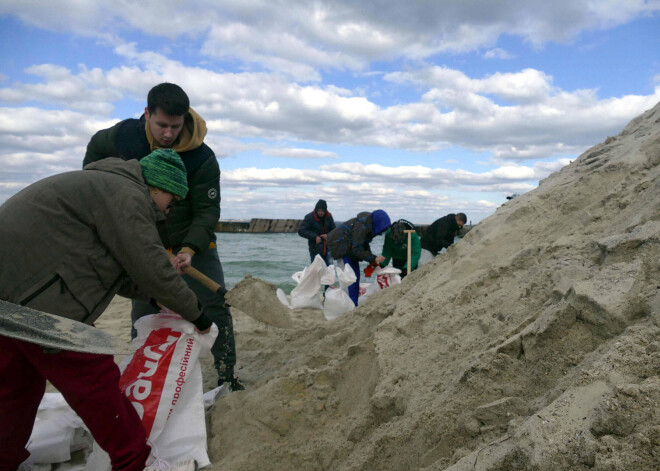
202,278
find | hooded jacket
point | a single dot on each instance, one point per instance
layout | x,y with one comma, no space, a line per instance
72,241
440,234
352,238
191,221
313,226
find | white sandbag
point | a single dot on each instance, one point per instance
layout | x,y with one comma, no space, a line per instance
212,396
345,275
284,299
425,257
50,443
384,278
388,276
98,460
327,277
163,381
168,350
184,436
366,290
307,295
337,301
54,434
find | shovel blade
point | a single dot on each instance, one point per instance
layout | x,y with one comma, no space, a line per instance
51,331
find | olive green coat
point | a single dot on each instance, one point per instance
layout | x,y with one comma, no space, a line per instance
70,242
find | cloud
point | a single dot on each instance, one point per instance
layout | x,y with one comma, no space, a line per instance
300,153
355,174
515,117
497,53
298,39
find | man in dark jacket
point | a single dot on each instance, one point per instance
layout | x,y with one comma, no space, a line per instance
69,243
315,228
440,235
349,244
169,122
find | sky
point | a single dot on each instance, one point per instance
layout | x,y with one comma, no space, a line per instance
418,107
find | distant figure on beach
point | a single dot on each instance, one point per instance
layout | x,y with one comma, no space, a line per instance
440,235
395,247
315,228
189,232
349,244
70,243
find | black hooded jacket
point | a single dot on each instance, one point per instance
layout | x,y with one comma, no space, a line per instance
440,234
313,226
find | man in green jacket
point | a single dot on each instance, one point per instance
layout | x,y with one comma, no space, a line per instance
168,122
68,244
395,247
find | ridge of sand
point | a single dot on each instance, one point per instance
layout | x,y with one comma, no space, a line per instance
531,344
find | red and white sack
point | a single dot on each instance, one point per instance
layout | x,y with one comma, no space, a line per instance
388,276
163,381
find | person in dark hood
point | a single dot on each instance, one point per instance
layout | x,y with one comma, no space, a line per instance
315,228
440,235
169,122
349,243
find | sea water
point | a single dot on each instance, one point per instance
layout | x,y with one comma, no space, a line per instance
270,257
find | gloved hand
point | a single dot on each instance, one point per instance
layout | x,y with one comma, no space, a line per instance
369,270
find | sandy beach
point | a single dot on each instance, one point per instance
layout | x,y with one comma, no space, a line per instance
532,344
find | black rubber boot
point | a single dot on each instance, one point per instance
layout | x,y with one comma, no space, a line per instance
228,377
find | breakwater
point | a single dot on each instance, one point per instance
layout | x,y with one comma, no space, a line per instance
258,225
275,226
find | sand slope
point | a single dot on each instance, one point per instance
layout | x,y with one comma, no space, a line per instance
531,344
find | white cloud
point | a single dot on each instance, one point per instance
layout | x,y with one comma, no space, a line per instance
357,175
298,38
497,53
300,153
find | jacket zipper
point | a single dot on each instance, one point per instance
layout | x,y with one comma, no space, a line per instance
43,288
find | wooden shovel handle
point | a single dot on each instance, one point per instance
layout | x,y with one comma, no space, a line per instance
202,278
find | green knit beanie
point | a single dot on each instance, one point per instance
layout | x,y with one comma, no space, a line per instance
164,169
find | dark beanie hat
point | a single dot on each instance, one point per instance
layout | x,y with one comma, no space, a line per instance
164,169
380,221
321,204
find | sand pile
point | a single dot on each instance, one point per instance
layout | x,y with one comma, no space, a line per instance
534,343
258,298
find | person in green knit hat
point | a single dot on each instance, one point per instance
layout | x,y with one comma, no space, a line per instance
395,247
164,172
75,240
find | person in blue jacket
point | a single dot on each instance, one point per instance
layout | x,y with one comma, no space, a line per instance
315,228
349,243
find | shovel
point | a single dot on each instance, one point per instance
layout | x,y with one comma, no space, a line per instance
56,332
254,297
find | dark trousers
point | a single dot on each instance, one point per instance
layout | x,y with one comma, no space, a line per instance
89,384
400,263
224,347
